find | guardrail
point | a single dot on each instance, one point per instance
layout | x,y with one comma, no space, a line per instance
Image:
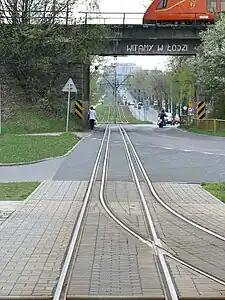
215,125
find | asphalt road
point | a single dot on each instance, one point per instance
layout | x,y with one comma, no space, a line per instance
149,114
168,154
172,155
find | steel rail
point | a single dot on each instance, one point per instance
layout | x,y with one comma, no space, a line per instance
103,202
156,241
78,227
136,234
156,196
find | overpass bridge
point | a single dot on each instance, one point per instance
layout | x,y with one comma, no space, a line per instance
151,40
125,37
128,36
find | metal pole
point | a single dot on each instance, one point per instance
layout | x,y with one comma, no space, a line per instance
115,78
68,111
0,109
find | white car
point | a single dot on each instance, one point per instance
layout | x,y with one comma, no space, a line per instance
169,118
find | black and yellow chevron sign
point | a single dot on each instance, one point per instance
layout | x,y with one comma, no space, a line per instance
201,110
79,109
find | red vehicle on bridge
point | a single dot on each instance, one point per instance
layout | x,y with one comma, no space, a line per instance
183,11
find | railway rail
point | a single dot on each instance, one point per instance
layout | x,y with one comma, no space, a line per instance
153,239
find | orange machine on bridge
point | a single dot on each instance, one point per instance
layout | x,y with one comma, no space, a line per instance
183,11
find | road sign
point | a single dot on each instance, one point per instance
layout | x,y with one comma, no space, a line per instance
70,86
79,109
184,107
190,104
201,110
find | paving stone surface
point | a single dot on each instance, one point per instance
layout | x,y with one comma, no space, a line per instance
124,199
34,239
193,202
192,284
111,262
187,242
7,208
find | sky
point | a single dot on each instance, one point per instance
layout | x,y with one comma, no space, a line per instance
134,6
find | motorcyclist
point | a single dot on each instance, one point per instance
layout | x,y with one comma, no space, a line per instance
162,116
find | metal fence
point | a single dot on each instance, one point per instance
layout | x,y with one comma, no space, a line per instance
215,125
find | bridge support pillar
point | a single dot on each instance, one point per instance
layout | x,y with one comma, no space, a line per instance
81,78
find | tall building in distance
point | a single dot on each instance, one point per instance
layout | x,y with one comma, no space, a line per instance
124,69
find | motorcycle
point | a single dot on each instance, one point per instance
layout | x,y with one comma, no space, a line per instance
161,123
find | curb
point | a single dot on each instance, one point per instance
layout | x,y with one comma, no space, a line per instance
45,159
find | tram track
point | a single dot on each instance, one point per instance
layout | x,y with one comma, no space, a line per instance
152,241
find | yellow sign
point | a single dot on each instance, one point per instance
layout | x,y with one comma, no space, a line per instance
201,110
79,109
190,104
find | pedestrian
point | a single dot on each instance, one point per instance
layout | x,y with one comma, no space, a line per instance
92,117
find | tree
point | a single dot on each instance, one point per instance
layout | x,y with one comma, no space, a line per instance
209,66
37,59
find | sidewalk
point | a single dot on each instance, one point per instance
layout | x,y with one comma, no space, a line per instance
35,238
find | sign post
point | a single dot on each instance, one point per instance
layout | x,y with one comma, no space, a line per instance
0,109
69,87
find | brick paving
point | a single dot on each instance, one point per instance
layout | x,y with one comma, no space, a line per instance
124,199
33,241
186,242
7,208
110,262
193,202
191,284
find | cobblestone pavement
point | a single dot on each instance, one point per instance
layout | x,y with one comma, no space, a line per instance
111,262
193,202
34,239
186,242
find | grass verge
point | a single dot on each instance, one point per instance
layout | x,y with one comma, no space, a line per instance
26,120
15,149
217,189
105,114
201,131
17,190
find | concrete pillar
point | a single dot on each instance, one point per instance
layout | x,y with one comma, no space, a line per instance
81,77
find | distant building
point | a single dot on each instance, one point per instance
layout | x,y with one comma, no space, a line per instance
124,69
